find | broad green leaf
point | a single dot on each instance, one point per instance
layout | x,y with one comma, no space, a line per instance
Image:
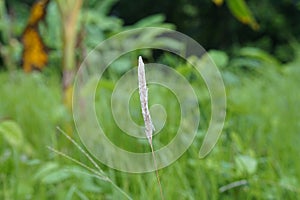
246,164
219,57
12,133
245,62
45,169
150,21
56,176
258,54
121,65
105,6
241,11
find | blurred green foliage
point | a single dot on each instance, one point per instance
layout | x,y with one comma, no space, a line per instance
214,27
259,144
258,149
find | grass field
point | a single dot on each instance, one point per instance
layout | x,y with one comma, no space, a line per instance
256,157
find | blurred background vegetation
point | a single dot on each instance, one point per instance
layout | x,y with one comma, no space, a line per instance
255,44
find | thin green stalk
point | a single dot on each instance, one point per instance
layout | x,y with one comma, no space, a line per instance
99,173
